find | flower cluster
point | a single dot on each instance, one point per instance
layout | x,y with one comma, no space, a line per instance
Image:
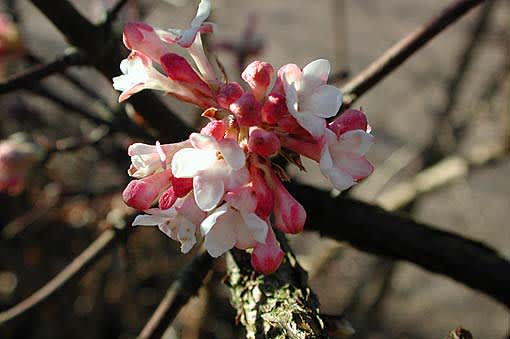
221,182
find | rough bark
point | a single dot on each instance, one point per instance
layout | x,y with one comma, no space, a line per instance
277,306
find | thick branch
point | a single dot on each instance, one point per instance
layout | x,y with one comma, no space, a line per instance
402,50
377,231
280,305
103,51
70,273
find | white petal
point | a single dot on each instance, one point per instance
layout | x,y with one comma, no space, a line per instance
291,97
357,142
339,179
186,235
203,12
235,179
188,162
203,142
221,237
357,167
315,74
232,153
257,226
313,124
208,223
325,101
148,220
208,192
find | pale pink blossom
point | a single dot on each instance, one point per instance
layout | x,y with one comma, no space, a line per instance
142,193
234,223
180,222
149,159
343,159
215,166
309,99
258,75
267,257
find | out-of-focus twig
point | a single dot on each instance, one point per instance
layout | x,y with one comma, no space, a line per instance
402,50
187,284
36,73
74,270
112,14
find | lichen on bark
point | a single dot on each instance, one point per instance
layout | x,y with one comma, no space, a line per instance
280,305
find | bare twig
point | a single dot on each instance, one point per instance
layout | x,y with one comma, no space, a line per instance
104,52
402,50
74,270
186,285
36,73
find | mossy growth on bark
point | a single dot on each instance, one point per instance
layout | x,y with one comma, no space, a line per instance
280,305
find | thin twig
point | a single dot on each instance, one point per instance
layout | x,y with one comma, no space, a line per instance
186,285
402,50
39,72
74,270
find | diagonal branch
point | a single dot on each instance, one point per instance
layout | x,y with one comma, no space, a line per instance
102,48
70,273
372,229
36,73
187,284
402,50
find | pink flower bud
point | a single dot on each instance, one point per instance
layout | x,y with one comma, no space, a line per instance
262,142
140,194
267,257
182,186
215,128
177,68
289,215
263,193
167,199
247,110
309,148
258,75
274,109
228,94
350,120
142,37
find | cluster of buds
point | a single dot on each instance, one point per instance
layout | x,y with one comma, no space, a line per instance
18,156
221,183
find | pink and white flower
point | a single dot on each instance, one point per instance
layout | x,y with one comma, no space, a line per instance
180,222
267,256
309,99
343,159
215,166
149,159
234,224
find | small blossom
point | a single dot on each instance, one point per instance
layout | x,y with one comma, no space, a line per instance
215,166
247,110
179,222
262,142
234,224
141,193
258,76
141,37
17,157
149,159
228,94
343,159
289,215
309,99
267,257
